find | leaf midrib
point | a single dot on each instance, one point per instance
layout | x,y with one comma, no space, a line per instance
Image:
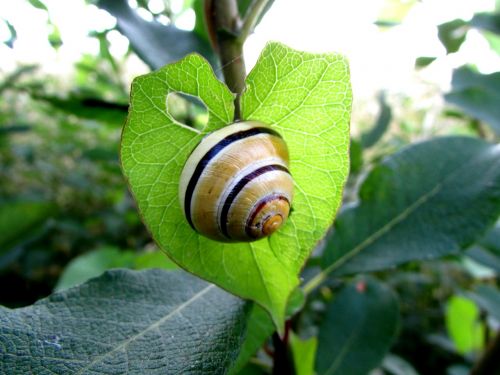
152,326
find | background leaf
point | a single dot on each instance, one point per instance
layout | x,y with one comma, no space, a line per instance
404,200
359,326
95,262
452,34
155,43
488,298
477,95
463,324
20,219
126,322
372,136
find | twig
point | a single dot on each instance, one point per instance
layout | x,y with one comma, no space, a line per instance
251,18
223,18
283,363
489,364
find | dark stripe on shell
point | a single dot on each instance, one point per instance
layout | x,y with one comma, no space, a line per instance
205,160
239,187
259,206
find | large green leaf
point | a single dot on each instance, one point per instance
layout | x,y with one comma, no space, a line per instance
477,95
154,42
307,98
431,199
359,326
148,322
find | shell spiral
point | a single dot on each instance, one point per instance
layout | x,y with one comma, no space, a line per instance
235,185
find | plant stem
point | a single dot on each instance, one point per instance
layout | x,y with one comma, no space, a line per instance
251,18
489,364
223,16
283,364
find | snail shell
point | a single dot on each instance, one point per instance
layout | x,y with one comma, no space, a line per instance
235,185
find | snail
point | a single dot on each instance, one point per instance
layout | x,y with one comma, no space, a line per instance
235,185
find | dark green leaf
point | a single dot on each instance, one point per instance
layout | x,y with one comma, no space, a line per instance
487,21
358,329
155,43
12,78
452,34
372,136
260,327
13,34
466,78
245,5
426,201
89,108
19,219
38,4
488,298
148,322
355,156
477,95
485,257
423,61
487,250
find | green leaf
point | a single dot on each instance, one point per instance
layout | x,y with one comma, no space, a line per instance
356,156
92,264
488,298
309,95
38,4
154,43
372,136
148,322
358,329
463,325
428,200
396,365
452,34
95,262
423,61
259,328
88,108
487,250
19,219
307,98
13,34
304,352
477,95
487,21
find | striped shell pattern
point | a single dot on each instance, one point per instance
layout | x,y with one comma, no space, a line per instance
235,185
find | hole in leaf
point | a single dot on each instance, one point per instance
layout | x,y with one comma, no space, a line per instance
187,110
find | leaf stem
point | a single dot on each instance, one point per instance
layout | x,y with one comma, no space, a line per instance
251,18
283,361
223,18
